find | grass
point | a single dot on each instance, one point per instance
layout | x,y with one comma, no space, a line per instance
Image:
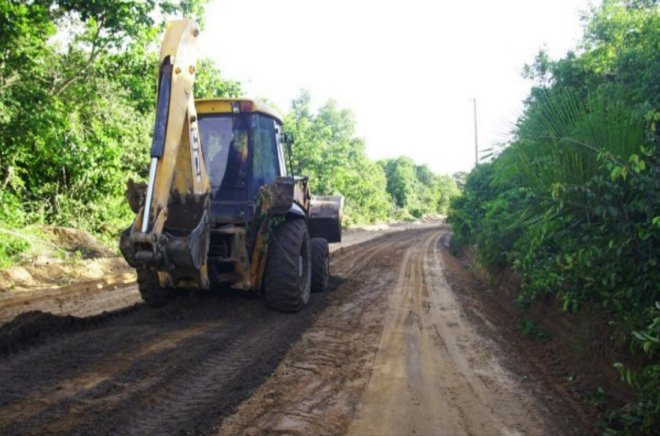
17,244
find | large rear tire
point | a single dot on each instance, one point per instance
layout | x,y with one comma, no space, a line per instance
152,293
320,264
287,278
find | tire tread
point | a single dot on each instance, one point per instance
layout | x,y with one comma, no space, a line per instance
281,284
320,267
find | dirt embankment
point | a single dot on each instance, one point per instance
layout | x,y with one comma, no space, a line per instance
575,352
69,273
61,257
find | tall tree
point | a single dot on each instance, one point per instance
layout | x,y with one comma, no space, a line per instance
327,150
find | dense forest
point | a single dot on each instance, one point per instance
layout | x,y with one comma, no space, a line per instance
77,97
572,204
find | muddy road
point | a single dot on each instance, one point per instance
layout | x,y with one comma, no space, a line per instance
388,350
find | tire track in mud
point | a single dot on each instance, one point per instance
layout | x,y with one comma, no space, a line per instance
392,354
389,345
73,391
433,373
176,369
194,399
180,368
344,262
318,386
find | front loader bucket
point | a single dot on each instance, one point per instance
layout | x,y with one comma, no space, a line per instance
325,217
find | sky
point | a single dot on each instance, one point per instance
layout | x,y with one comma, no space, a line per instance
408,70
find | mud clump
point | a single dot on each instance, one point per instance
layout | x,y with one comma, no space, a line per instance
34,327
31,327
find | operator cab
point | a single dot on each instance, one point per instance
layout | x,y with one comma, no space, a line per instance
241,145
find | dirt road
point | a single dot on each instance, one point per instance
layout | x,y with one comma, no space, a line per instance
387,351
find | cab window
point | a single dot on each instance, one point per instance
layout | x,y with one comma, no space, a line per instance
265,160
225,144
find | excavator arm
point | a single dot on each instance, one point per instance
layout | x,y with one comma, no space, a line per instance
170,234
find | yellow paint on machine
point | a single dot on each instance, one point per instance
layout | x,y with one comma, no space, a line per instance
226,106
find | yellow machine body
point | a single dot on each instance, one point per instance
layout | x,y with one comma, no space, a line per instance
170,233
218,194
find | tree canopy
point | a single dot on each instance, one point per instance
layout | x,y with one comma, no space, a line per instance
327,150
75,108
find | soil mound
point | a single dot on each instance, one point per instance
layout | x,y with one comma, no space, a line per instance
77,241
34,327
30,327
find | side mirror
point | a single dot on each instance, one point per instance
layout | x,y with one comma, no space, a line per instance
287,139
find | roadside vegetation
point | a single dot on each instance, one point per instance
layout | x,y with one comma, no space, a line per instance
77,96
572,204
327,150
76,111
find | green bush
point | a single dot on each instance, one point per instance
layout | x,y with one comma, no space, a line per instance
466,211
12,213
12,244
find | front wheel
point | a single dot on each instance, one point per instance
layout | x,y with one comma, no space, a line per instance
287,278
320,264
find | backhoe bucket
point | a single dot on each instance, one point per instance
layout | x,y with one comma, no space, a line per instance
181,249
325,217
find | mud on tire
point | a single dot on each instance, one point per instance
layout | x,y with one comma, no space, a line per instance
320,264
287,278
152,293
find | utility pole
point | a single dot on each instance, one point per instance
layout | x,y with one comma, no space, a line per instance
476,143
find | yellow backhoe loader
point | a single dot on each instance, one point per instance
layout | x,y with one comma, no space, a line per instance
219,207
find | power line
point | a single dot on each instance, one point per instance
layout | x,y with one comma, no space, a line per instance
476,143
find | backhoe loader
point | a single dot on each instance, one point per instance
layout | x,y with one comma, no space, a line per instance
219,207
